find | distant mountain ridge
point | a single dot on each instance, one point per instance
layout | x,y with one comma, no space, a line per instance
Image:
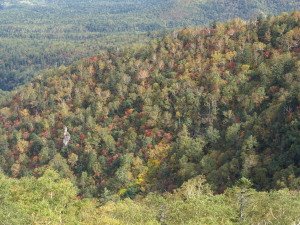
200,11
156,14
41,34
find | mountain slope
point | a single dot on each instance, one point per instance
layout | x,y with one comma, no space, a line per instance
223,102
37,35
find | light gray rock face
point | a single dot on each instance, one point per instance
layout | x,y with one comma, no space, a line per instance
67,137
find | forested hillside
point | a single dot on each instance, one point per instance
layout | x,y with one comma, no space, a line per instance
187,123
222,102
41,34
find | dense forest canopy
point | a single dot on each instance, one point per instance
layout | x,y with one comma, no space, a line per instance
222,102
52,199
41,34
202,120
